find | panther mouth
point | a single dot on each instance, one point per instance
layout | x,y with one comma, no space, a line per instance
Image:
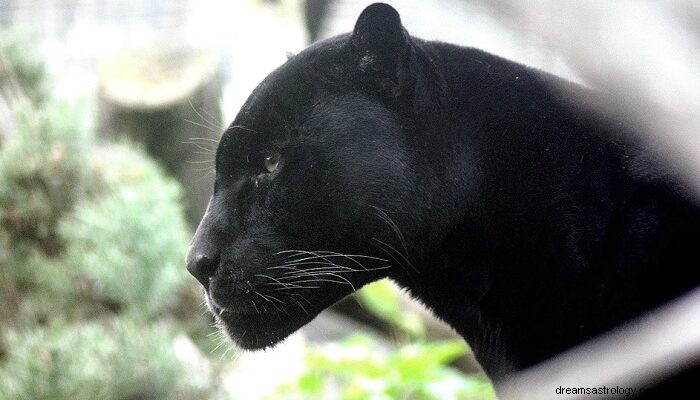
259,326
259,307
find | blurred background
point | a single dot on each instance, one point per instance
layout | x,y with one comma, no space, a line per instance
110,111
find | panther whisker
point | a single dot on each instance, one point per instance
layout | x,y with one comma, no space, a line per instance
337,267
313,253
324,280
206,139
209,122
200,146
348,257
262,295
266,299
300,305
207,169
284,267
328,262
344,281
294,263
300,295
255,306
398,262
300,287
277,281
285,285
327,266
209,128
217,120
241,127
329,254
311,273
275,298
317,270
198,162
386,218
397,252
332,269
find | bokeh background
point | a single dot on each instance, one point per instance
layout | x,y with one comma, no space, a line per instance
110,111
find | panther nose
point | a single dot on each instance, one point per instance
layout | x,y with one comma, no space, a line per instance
202,257
202,267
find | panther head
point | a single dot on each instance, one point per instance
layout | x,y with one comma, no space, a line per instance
320,182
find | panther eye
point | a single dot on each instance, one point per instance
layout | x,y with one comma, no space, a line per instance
271,161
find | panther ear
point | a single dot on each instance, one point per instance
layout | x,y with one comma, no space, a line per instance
378,30
380,50
383,59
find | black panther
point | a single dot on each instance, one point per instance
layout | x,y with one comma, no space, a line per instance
491,191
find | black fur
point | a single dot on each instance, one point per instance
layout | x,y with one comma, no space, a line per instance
522,218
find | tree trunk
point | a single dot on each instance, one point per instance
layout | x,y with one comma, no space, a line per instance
168,102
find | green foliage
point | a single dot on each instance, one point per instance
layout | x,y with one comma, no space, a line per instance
83,225
130,242
358,368
118,360
382,299
25,62
92,241
42,175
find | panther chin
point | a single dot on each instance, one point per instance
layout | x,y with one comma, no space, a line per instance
259,328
